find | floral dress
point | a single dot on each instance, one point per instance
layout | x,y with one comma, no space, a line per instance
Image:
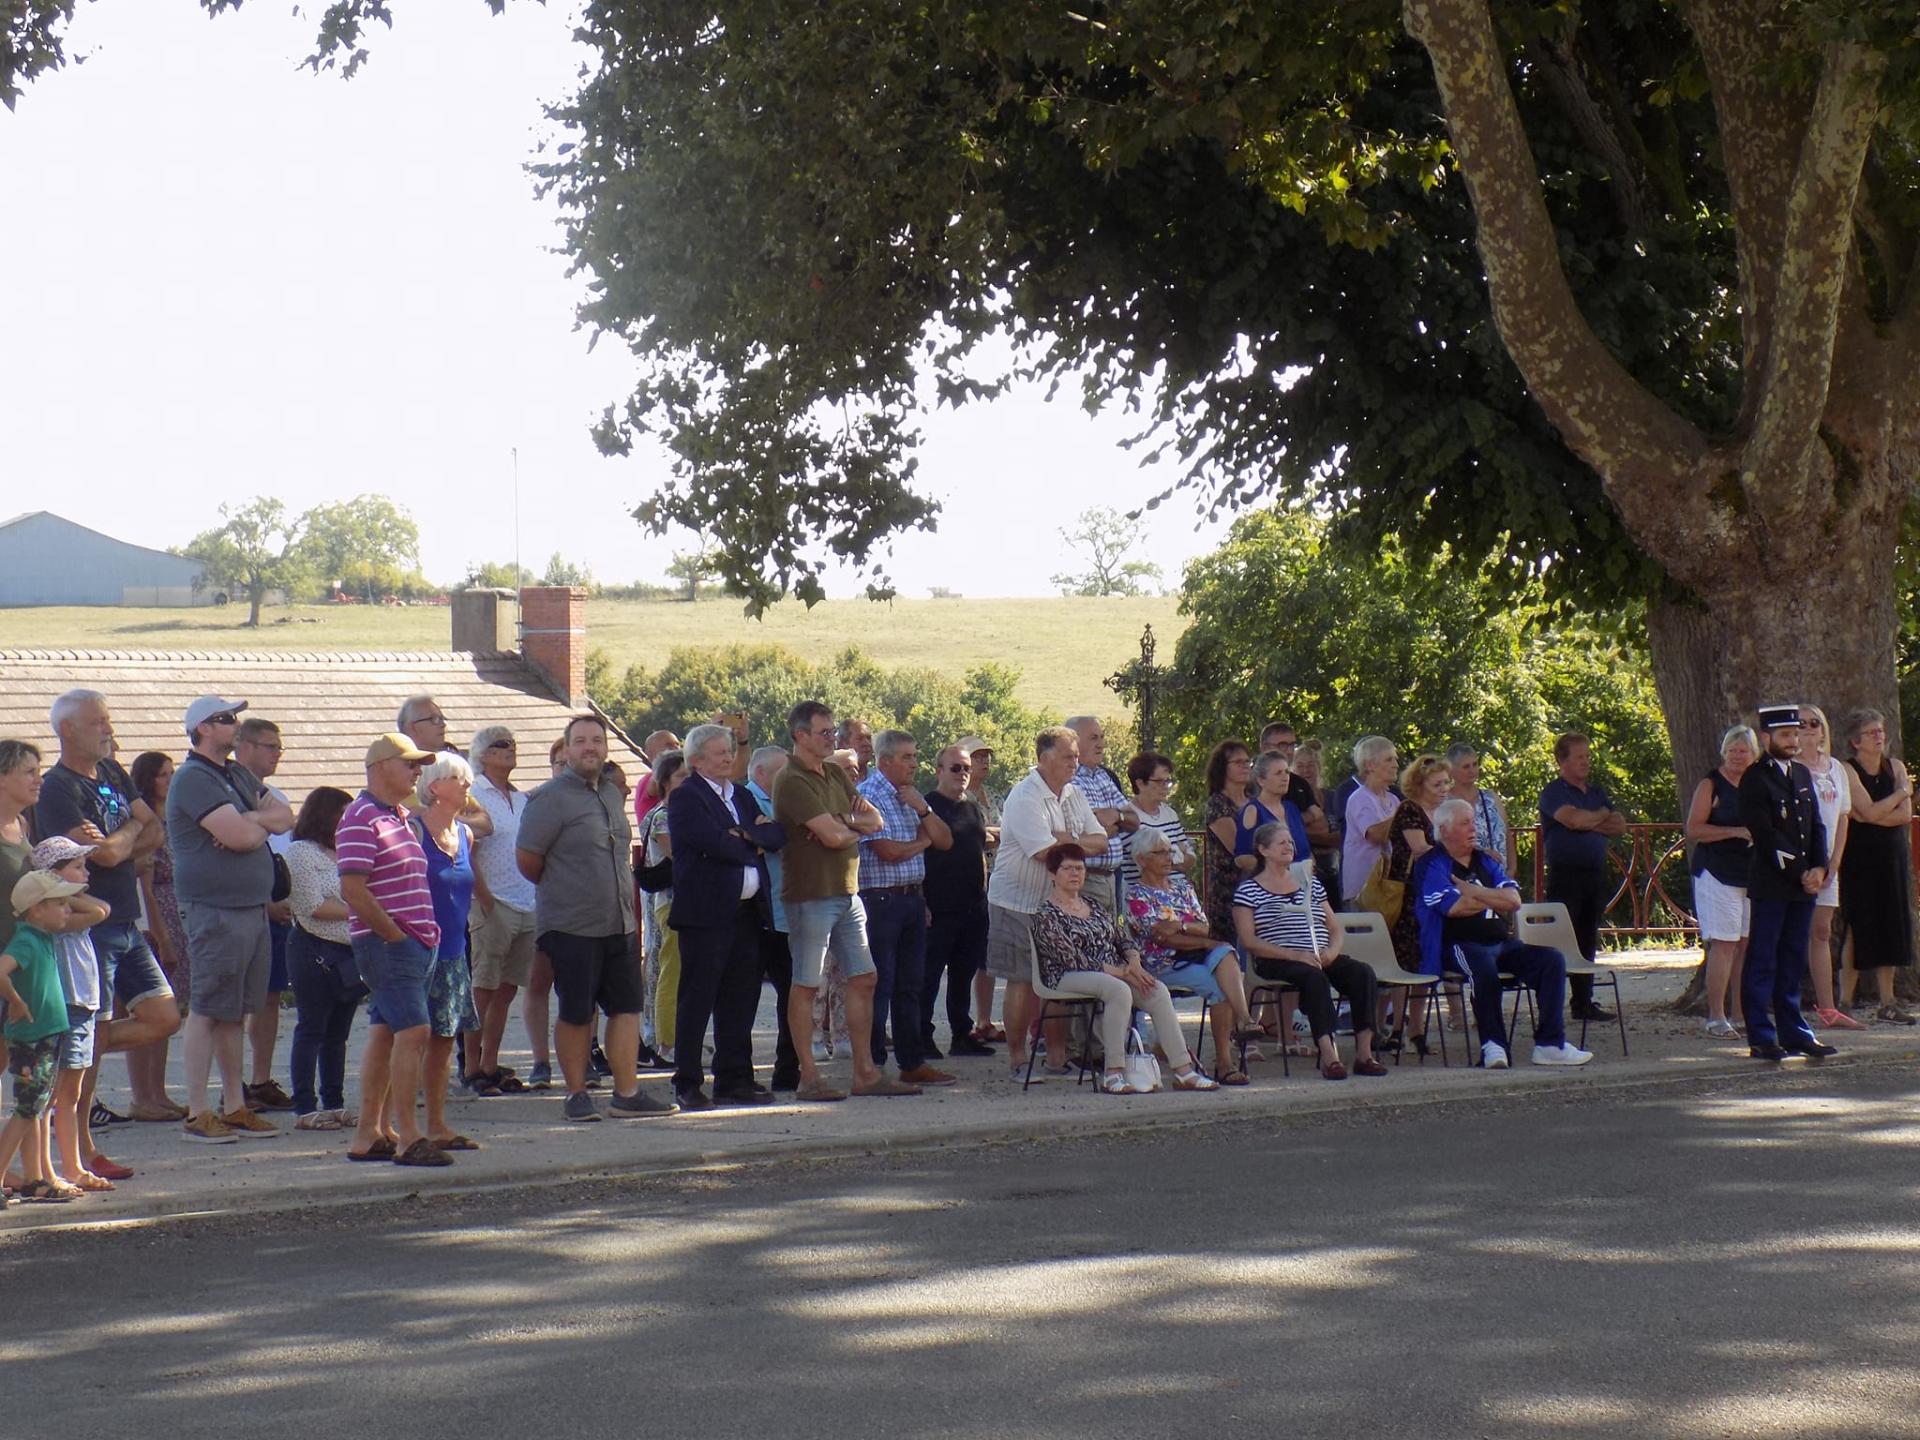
1406,930
168,918
1217,868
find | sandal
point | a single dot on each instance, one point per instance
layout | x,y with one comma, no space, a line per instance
381,1149
989,1033
1114,1082
423,1152
1195,1080
485,1086
1300,1050
46,1193
109,1169
318,1120
453,1142
508,1083
1234,1077
87,1180
100,1115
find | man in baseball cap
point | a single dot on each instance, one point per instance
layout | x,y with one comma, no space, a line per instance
395,746
207,708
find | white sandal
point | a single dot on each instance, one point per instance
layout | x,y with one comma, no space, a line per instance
1194,1080
1114,1082
319,1120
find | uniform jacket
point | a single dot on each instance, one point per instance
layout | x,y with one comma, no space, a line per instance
1783,816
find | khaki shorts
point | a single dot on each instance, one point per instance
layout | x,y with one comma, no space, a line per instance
502,946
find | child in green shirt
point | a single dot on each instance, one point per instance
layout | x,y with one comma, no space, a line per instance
36,1022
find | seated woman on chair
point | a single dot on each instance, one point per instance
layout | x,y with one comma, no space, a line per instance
1079,954
1170,927
1290,933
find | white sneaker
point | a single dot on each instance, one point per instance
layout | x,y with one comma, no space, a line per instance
1568,1054
1493,1055
1722,1030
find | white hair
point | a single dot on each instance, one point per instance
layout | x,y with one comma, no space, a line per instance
1449,810
701,736
404,718
1369,750
1735,734
1146,839
446,763
889,743
763,759
69,706
484,738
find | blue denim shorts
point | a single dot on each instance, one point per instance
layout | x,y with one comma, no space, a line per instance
1198,976
450,993
396,976
76,1046
128,970
815,927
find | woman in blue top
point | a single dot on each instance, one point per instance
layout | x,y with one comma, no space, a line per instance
440,795
1272,774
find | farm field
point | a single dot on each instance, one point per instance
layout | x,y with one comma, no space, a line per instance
1063,647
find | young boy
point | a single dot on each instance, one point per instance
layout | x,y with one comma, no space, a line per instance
80,978
36,1017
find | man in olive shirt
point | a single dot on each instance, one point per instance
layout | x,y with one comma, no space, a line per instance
819,887
576,846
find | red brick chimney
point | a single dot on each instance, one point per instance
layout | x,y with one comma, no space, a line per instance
553,637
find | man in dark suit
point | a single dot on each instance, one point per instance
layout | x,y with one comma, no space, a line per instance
720,908
1789,868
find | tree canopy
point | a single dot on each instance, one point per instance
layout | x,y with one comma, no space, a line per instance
1101,537
256,547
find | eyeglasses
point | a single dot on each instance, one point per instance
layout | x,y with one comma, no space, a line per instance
958,769
1241,760
503,745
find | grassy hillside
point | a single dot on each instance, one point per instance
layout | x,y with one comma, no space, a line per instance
1063,648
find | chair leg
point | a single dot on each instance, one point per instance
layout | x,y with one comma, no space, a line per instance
1437,1016
1033,1051
1619,1011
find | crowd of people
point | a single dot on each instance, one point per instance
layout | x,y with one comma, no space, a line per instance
638,924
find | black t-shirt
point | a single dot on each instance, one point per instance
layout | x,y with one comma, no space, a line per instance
68,800
1482,927
1302,796
957,878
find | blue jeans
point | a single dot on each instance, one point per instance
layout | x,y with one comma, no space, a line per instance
1770,979
1537,967
320,1028
897,937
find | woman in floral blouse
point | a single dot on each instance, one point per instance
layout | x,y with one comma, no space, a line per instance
1178,949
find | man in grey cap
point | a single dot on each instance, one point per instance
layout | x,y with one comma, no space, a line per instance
219,816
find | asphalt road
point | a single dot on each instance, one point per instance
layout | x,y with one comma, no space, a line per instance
1731,1260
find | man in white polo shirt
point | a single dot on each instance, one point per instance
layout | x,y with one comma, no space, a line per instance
1044,810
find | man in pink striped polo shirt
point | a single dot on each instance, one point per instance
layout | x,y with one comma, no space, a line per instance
383,879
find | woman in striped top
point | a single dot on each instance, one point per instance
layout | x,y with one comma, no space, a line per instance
1150,774
1290,933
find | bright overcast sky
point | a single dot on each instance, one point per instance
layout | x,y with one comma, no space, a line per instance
228,277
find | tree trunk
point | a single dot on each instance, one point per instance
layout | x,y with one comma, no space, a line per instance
254,592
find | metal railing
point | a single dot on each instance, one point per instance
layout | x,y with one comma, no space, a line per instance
1653,898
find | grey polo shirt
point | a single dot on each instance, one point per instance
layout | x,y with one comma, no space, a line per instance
202,871
582,830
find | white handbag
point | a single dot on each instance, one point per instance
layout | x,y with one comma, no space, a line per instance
1143,1071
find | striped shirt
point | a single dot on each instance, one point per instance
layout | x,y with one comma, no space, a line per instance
375,841
1292,922
1168,822
902,823
1103,792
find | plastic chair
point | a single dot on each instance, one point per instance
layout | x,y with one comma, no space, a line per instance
1056,1000
1369,942
1546,922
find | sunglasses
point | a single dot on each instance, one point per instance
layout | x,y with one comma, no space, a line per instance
958,769
502,745
224,718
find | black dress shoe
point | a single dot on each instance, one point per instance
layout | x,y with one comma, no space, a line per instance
1812,1049
1766,1051
1591,1011
743,1095
931,1051
694,1099
967,1045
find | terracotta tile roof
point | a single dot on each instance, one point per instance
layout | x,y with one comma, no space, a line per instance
329,704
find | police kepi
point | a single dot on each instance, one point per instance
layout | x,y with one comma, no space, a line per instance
1789,868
